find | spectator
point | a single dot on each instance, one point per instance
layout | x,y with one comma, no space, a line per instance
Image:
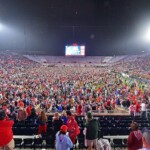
63,142
148,109
33,116
22,114
132,109
28,110
143,109
137,110
6,133
135,137
59,107
42,128
73,127
146,140
79,109
64,117
57,123
91,131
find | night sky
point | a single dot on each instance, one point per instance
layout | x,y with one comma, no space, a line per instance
105,27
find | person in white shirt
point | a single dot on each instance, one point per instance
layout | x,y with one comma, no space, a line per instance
143,109
146,140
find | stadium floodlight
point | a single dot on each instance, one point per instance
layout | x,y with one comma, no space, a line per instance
147,36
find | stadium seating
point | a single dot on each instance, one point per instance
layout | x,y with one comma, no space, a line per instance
109,125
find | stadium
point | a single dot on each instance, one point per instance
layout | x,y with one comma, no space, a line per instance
75,74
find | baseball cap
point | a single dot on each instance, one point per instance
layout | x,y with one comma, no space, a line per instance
64,128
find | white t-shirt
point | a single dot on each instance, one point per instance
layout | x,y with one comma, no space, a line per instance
143,107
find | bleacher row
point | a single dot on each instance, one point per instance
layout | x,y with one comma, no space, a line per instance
84,60
108,125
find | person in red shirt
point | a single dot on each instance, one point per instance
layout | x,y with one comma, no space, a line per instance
138,107
135,138
73,127
6,133
79,109
28,110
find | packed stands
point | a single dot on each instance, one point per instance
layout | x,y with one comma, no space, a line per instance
107,90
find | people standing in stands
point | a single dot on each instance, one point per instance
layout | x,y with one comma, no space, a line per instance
132,109
137,109
56,124
87,107
143,109
42,125
91,131
12,114
101,108
6,110
33,116
64,117
128,103
94,106
59,107
22,114
118,101
63,142
146,140
148,109
6,133
28,110
79,108
73,127
134,141
107,105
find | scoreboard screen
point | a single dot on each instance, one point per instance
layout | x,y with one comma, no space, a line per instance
75,50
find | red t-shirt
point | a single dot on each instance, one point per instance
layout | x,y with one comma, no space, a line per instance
6,133
135,140
138,107
28,110
79,109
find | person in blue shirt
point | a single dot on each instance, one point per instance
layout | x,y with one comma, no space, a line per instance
59,108
64,117
63,142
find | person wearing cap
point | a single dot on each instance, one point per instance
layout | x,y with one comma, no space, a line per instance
6,133
146,140
91,131
134,141
63,141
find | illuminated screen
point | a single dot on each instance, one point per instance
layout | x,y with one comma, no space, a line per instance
74,50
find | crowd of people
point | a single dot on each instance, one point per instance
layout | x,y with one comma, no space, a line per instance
25,85
24,82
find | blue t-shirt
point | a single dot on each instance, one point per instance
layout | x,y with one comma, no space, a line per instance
63,142
64,119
